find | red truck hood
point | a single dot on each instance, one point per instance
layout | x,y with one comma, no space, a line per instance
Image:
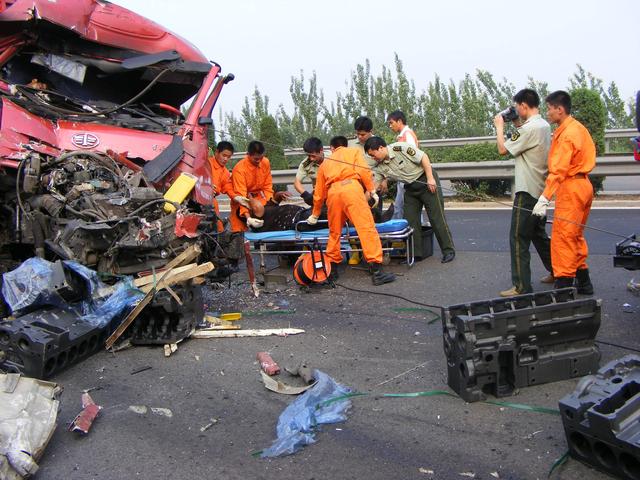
104,23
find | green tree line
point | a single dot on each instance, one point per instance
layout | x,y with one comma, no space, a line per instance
438,109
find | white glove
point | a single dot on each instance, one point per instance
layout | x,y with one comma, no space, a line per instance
244,201
540,209
312,220
375,198
254,222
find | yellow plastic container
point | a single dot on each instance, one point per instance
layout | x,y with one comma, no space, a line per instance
180,189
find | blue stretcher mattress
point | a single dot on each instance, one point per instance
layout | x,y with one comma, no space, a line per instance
386,227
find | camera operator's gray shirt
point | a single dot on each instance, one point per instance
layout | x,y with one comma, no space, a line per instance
530,146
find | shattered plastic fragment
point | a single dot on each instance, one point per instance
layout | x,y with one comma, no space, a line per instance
139,409
164,412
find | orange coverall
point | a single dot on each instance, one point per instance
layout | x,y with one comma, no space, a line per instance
340,181
221,179
251,182
572,156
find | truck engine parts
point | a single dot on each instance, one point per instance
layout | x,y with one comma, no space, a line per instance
496,346
600,418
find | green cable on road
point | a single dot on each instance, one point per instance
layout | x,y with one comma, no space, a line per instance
433,393
257,313
558,463
522,406
435,318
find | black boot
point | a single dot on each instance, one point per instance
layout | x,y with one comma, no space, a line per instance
563,282
379,277
334,275
584,285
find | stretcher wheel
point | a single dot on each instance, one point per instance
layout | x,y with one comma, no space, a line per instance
310,268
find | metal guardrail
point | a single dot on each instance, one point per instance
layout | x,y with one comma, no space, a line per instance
618,165
457,142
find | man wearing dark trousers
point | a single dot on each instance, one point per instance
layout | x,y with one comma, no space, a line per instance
529,145
403,162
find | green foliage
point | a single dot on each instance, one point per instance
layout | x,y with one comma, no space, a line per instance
270,136
588,108
434,109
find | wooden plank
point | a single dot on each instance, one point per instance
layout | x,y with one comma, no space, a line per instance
245,333
185,257
180,277
147,279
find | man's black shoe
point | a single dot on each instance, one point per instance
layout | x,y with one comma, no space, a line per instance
448,257
378,276
334,275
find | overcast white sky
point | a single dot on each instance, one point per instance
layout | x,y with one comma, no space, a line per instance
266,42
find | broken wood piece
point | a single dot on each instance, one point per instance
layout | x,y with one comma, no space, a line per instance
188,274
150,291
173,294
170,348
185,257
283,332
147,279
82,423
221,327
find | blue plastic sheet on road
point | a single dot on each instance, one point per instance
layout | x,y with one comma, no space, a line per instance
300,421
29,287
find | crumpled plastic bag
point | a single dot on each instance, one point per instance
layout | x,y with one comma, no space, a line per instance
634,287
299,422
124,296
29,287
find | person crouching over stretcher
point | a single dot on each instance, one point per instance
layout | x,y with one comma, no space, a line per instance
251,178
345,183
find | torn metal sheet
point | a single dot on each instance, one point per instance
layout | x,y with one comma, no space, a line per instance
280,387
28,414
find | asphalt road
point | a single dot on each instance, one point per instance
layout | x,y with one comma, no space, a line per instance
359,339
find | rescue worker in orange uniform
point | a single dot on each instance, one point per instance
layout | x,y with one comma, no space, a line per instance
221,177
572,156
251,179
344,181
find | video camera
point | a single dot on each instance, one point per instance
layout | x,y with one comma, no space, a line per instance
509,114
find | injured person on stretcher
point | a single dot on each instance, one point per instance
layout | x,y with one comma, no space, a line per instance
291,217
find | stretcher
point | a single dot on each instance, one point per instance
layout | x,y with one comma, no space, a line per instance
395,235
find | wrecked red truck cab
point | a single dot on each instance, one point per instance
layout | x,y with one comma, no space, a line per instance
92,132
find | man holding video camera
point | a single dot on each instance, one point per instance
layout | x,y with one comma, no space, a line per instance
529,145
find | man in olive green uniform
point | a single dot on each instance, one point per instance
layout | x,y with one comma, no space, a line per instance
363,127
403,162
530,146
308,169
